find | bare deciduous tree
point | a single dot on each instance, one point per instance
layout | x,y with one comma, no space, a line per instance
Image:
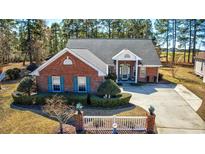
175,69
56,108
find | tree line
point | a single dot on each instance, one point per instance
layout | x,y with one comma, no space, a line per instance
187,35
33,40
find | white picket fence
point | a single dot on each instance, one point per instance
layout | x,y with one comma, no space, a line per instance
123,122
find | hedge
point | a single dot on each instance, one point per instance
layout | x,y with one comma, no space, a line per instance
40,99
21,99
77,98
96,101
120,100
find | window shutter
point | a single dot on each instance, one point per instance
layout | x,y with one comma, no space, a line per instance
62,83
88,86
75,84
49,83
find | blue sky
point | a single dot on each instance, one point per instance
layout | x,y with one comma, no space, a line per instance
50,21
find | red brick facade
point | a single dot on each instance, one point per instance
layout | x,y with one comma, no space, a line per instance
78,68
151,72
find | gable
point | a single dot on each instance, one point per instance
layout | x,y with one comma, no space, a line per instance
65,56
126,54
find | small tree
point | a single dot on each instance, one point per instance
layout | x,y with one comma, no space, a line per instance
26,85
108,89
56,108
175,69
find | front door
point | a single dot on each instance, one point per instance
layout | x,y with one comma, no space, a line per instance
124,71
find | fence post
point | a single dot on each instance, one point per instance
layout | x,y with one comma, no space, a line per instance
151,121
78,117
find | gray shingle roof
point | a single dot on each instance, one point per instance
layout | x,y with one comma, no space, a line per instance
105,49
91,58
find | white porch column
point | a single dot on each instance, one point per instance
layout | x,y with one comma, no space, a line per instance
136,71
116,69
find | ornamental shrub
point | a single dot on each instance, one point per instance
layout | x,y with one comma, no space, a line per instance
122,99
13,74
108,89
26,85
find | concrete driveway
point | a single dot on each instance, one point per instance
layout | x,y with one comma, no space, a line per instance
175,106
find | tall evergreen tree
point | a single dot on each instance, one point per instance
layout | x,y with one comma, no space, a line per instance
55,38
7,37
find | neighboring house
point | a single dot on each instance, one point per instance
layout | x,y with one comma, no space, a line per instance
199,67
82,66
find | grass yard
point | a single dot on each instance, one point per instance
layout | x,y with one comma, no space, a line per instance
178,56
17,121
21,122
185,76
137,111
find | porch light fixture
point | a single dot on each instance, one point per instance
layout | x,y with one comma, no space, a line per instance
67,61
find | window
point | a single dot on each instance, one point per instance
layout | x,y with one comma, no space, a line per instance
56,85
67,61
82,84
126,56
202,66
142,72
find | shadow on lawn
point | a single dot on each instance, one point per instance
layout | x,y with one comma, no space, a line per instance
88,111
33,108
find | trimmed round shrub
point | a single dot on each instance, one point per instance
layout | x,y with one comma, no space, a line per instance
119,100
108,89
26,85
21,99
13,74
32,67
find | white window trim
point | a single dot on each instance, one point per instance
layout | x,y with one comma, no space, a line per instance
85,83
53,83
140,73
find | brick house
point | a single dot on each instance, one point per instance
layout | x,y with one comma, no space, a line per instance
83,64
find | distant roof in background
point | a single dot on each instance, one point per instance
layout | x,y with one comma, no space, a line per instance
200,55
105,49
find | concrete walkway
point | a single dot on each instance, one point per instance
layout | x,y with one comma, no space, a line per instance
193,100
175,107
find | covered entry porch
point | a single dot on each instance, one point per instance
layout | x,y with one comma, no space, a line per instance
126,66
